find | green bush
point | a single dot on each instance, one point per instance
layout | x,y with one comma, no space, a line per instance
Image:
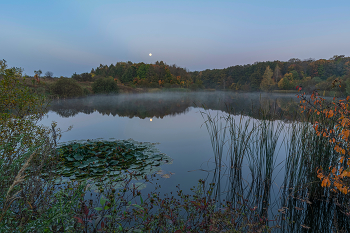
66,87
86,91
105,85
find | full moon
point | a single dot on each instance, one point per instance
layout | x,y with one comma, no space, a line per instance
150,54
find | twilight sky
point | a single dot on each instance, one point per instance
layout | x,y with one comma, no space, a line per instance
68,36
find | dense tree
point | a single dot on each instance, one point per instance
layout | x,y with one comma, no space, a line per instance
129,74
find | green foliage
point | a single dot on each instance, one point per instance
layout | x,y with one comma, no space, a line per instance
105,85
286,83
66,88
295,75
24,148
142,72
129,75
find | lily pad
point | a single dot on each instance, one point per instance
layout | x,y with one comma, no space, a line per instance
91,159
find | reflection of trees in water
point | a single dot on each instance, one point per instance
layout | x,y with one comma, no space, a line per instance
164,104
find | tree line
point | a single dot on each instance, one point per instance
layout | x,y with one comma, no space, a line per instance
272,75
261,76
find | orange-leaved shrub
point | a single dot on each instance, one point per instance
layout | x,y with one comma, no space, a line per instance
333,122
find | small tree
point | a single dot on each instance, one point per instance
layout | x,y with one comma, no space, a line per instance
38,72
48,74
267,82
277,73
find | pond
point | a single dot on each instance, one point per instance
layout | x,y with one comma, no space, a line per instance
176,121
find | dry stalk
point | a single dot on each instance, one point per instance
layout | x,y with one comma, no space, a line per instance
18,179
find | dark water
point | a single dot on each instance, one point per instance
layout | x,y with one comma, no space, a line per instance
174,120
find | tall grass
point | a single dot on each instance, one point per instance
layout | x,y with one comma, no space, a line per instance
272,149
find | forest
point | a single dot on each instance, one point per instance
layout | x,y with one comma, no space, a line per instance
311,74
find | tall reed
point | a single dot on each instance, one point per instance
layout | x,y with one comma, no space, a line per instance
260,144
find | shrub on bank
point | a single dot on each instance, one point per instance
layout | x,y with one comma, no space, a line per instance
86,91
66,87
194,86
105,85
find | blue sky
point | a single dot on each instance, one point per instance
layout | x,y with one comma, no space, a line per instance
70,36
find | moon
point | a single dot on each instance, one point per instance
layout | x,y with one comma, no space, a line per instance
150,54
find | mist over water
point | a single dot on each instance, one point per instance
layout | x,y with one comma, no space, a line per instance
149,105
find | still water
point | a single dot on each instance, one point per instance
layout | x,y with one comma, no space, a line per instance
176,122
173,120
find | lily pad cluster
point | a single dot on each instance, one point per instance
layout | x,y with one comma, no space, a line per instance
93,159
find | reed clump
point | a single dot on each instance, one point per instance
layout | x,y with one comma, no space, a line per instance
273,149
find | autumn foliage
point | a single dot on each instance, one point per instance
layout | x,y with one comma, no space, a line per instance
333,122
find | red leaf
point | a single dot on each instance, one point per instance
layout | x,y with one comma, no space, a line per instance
79,220
178,231
102,224
86,210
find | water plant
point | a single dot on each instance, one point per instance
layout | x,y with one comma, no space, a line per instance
103,160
